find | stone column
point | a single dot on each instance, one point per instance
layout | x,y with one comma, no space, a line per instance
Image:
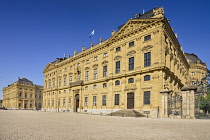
164,109
23,103
188,101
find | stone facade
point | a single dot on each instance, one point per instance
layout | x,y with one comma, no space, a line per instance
126,71
22,94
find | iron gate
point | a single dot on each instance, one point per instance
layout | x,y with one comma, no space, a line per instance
175,104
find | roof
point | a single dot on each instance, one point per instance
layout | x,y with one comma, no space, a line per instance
192,58
25,81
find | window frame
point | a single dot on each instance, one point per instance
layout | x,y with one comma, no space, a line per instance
117,67
117,99
131,63
147,59
147,97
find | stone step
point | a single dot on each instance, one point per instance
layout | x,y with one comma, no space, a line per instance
127,113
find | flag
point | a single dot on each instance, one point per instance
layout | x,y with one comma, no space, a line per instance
91,34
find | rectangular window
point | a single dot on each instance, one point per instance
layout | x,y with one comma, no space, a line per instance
147,37
131,63
30,95
64,102
86,101
104,100
118,67
48,103
52,103
131,44
117,49
87,75
53,83
105,71
59,102
95,76
146,97
19,104
59,82
25,95
87,61
20,94
94,100
70,79
117,99
147,59
64,81
69,102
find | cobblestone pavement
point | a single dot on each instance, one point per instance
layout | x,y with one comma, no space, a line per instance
34,125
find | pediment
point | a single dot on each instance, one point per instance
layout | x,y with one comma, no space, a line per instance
48,67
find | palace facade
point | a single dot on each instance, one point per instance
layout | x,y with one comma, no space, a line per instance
22,94
126,71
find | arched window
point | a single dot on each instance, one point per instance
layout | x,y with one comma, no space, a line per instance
117,82
131,80
146,77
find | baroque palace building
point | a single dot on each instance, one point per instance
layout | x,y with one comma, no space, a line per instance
22,94
126,71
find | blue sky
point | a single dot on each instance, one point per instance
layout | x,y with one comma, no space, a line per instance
36,32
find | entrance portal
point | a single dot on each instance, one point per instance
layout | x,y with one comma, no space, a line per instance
130,100
76,102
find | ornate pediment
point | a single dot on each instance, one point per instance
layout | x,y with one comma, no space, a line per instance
130,87
104,63
147,48
49,67
70,73
95,66
131,53
87,68
117,58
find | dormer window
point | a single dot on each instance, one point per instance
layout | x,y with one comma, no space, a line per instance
147,37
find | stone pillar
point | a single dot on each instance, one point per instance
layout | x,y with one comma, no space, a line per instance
188,101
164,109
23,103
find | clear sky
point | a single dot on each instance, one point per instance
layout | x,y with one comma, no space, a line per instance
36,32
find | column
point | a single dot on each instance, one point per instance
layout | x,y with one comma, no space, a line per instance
164,109
23,103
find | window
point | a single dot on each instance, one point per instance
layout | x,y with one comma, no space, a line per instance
192,73
87,75
146,97
59,92
69,101
193,82
78,77
118,67
131,44
59,101
19,104
105,54
78,64
95,87
53,83
49,84
131,80
59,82
94,100
147,59
117,49
64,81
147,37
95,76
48,103
104,100
104,85
86,88
30,95
104,71
117,99
87,61
95,58
20,88
64,102
52,103
40,97
117,82
20,94
146,77
70,79
131,63
25,95
64,70
64,91
70,67
86,101
60,71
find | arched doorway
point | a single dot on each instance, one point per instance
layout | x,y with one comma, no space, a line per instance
76,102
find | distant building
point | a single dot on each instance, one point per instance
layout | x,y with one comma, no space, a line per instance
1,103
129,70
22,94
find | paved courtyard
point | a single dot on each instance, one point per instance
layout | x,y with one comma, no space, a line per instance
34,125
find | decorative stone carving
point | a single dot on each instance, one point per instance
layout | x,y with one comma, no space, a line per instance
131,53
70,73
104,63
117,58
130,87
87,68
95,66
147,48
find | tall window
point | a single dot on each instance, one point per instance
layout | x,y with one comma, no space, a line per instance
64,81
59,102
131,63
30,95
117,49
52,103
86,101
94,100
25,95
86,75
48,103
131,80
64,102
118,67
59,82
70,79
49,84
146,77
105,71
20,94
117,99
147,37
131,44
95,76
104,100
53,83
147,59
146,97
69,102
117,82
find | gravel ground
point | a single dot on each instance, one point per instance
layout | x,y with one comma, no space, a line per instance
34,125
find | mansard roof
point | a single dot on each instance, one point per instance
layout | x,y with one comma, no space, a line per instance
192,58
25,81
